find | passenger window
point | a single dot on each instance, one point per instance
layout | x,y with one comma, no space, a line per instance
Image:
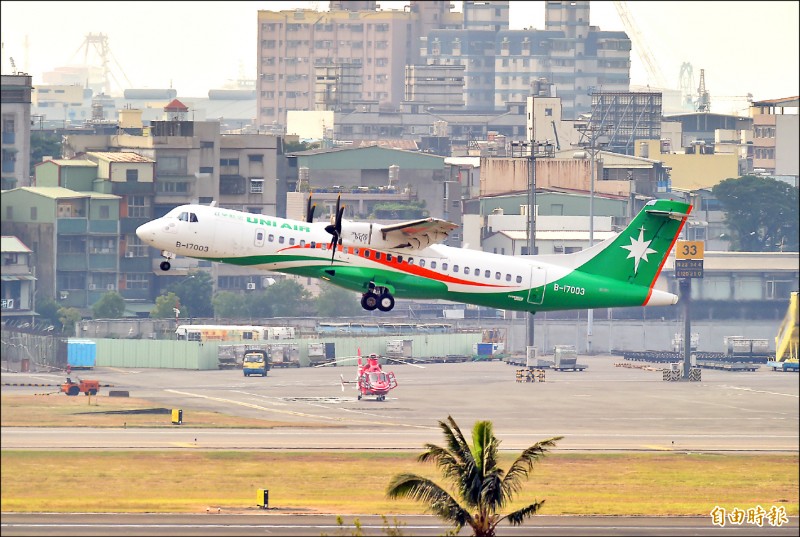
477,272
399,258
366,253
421,262
508,277
433,264
519,279
455,268
410,260
388,257
271,237
466,270
487,274
444,266
377,255
355,251
302,243
291,240
496,275
260,236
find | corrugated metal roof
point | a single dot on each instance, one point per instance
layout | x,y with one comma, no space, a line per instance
58,192
75,162
12,244
120,156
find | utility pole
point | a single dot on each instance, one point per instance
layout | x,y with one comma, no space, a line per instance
531,151
590,134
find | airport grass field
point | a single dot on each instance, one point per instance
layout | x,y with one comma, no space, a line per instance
351,483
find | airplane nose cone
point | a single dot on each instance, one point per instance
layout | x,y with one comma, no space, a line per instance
146,232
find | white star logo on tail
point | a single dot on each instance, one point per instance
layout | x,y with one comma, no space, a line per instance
639,249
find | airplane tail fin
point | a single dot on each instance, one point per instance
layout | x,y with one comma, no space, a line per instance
638,253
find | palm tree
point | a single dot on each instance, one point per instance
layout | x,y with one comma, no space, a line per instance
482,487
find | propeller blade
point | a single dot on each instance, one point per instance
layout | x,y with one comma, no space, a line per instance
310,210
335,227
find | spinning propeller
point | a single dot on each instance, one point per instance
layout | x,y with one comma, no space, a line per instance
310,210
335,227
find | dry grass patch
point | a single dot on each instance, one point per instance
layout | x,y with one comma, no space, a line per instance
355,483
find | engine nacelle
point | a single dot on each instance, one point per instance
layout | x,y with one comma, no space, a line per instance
366,235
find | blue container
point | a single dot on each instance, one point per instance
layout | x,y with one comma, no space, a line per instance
81,352
484,349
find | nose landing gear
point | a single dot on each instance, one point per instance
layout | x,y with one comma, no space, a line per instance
165,265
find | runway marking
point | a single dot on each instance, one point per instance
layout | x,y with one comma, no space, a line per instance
184,444
659,448
761,391
301,414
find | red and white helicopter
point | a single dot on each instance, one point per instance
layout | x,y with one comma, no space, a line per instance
371,379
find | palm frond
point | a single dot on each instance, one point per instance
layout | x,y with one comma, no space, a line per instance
521,467
518,517
437,500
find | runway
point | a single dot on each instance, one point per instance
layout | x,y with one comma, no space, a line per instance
290,525
604,408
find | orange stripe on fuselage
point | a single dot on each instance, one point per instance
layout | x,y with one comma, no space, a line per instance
415,270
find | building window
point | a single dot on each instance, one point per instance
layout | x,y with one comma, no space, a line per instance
104,211
137,281
134,247
131,176
255,158
166,165
138,207
34,213
256,186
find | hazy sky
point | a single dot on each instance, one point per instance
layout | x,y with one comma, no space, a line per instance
744,47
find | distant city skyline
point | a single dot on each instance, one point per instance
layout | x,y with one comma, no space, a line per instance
206,45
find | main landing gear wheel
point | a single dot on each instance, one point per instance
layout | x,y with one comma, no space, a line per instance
369,301
165,265
386,302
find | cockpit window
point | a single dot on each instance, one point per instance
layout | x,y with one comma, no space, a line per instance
192,217
184,217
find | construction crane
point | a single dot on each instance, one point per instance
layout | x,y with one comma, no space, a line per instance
642,50
686,78
100,44
703,103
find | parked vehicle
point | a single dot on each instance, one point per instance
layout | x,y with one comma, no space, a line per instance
255,362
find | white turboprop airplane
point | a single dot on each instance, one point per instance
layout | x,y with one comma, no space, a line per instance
406,260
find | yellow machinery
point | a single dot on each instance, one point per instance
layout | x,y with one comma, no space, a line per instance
788,339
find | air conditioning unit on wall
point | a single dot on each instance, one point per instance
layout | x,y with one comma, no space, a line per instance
251,286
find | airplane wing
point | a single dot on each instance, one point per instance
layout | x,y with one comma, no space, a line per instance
417,234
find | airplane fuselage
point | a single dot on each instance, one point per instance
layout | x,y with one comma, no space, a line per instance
536,283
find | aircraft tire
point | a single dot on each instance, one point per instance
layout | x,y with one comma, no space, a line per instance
165,265
369,301
386,302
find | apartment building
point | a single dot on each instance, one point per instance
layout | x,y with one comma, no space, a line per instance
776,127
502,66
311,60
18,285
16,139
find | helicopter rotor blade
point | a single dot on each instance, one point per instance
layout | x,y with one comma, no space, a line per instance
406,363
